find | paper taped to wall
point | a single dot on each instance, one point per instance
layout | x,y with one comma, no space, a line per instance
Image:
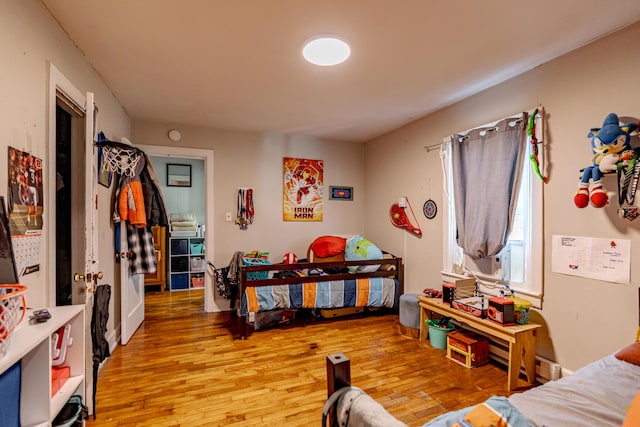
602,259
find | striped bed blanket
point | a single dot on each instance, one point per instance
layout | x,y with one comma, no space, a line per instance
361,292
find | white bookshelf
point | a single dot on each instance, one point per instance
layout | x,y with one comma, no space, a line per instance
31,344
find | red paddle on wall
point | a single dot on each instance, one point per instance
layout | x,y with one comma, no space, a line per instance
399,217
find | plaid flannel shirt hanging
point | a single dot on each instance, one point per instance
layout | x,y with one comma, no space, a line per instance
142,258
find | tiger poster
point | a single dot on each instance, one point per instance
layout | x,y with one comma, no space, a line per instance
302,191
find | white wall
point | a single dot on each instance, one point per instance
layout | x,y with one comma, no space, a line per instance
29,39
583,319
245,159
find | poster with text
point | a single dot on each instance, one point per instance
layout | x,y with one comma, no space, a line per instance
602,259
25,209
302,192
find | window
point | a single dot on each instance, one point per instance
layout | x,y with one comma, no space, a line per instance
519,264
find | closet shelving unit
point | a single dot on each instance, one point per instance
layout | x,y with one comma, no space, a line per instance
187,263
30,344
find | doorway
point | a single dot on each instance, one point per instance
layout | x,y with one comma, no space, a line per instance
181,182
69,225
74,113
175,153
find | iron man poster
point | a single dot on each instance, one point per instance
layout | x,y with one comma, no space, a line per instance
302,192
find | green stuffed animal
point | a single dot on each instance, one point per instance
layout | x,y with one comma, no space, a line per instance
357,249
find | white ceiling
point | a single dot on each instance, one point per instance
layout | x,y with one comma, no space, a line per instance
237,64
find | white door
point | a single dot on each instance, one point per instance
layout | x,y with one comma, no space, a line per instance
91,268
131,293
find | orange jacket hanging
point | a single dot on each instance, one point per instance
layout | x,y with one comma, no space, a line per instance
131,204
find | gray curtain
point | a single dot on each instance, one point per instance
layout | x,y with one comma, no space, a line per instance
486,171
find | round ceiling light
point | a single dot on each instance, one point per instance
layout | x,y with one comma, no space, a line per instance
326,51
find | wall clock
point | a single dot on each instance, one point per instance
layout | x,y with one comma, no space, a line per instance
430,209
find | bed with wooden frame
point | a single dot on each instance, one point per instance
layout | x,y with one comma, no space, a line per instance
334,287
603,393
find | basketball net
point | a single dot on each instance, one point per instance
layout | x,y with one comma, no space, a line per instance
120,160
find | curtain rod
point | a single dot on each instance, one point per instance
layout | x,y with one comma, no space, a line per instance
447,139
432,147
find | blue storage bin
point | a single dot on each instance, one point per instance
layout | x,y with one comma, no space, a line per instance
10,381
179,281
179,246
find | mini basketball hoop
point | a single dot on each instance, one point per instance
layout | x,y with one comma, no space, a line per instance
12,309
12,301
400,219
120,160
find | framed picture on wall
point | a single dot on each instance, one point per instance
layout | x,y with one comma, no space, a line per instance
340,193
178,175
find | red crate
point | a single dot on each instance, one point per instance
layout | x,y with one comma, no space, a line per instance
468,349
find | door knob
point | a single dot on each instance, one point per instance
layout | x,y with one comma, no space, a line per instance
87,277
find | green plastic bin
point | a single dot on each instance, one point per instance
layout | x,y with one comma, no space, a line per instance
438,334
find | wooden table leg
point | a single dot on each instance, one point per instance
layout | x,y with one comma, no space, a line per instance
424,316
513,368
528,340
422,335
522,351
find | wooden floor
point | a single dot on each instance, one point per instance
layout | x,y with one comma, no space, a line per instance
184,367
